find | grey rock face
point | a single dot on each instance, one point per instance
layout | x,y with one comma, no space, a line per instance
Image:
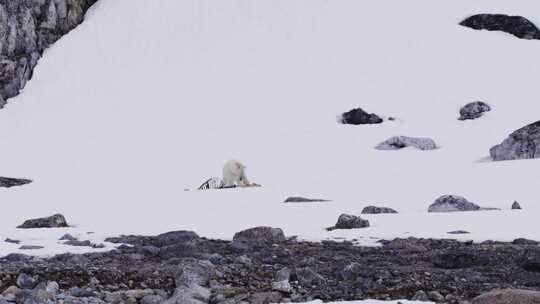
521,144
27,28
400,142
53,221
347,221
506,296
260,235
518,26
377,210
359,117
298,199
473,110
516,206
450,203
8,182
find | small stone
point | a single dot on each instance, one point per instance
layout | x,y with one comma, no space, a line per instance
420,296
359,117
435,296
8,240
25,281
68,237
261,234
377,210
400,142
452,203
516,206
347,221
53,221
473,110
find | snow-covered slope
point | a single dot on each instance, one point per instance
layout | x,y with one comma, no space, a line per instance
149,98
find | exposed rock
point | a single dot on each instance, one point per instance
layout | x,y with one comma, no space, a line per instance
25,281
31,247
260,235
521,144
473,110
450,203
298,199
377,210
359,117
8,182
458,232
400,142
347,221
435,296
515,25
191,283
54,221
8,240
420,296
85,243
307,277
516,206
67,237
523,241
152,299
27,28
508,296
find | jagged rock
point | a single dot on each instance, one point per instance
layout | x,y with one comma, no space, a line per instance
8,182
508,296
260,235
516,206
54,221
473,110
347,221
27,28
518,26
359,117
521,144
377,210
298,199
450,203
400,142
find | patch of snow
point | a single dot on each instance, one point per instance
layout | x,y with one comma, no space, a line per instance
149,98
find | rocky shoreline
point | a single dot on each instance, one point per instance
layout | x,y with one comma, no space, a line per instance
262,267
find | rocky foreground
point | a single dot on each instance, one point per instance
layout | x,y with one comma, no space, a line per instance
261,266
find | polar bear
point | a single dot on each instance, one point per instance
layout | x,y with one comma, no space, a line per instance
234,174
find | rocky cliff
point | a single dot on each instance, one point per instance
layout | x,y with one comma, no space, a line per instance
27,28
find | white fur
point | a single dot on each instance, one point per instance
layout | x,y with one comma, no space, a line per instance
234,174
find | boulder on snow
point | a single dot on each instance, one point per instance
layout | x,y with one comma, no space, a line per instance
8,182
518,26
400,142
54,221
299,199
347,221
521,144
473,110
508,296
260,235
516,206
377,210
450,203
359,117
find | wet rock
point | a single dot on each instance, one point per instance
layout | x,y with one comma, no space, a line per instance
260,235
518,26
473,110
359,117
451,203
508,296
377,210
516,206
521,144
400,142
347,221
7,182
53,221
298,199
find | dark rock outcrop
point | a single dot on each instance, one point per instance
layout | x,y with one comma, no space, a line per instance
516,206
518,26
298,199
473,110
53,221
27,28
8,182
377,210
400,142
450,203
347,221
521,144
260,235
359,117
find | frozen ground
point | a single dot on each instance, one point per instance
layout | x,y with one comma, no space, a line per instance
149,98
